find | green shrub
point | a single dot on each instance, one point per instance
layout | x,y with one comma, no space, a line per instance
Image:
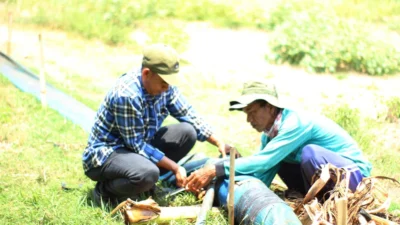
317,39
393,105
350,120
112,21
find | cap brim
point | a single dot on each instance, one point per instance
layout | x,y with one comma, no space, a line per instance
176,79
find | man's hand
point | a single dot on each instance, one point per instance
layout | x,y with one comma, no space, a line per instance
179,171
200,178
229,148
223,148
180,175
220,144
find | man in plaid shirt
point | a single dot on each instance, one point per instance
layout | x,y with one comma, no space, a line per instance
127,148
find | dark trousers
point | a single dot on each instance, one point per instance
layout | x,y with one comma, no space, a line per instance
126,174
298,176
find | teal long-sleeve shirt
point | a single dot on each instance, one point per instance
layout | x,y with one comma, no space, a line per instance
297,130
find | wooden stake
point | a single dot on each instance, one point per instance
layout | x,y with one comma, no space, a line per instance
341,208
42,76
9,33
382,221
231,215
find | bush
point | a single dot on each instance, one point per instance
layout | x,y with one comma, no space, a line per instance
317,39
112,21
393,109
350,120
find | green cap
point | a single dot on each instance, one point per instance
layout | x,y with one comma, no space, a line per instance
256,90
163,60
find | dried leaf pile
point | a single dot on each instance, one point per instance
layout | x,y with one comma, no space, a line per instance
340,206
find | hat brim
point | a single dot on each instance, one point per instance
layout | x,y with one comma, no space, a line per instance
244,100
175,79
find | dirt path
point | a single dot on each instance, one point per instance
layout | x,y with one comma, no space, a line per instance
219,58
222,57
239,55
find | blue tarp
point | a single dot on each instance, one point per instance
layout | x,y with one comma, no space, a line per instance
28,82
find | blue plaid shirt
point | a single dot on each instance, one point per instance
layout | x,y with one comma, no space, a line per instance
129,118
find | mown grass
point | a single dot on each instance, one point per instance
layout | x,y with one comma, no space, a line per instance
40,150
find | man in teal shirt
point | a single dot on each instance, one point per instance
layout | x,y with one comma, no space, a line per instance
293,144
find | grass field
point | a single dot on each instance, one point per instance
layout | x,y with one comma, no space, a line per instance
40,150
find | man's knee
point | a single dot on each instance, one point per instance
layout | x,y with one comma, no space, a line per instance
189,131
148,177
309,152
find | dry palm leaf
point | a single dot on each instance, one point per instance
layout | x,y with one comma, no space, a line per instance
136,212
369,197
148,210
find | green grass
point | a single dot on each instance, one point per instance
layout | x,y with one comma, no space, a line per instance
393,105
40,150
384,12
383,159
321,36
114,21
81,88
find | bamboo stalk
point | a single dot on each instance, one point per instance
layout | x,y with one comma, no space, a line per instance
182,212
9,33
168,214
43,91
341,207
382,221
231,215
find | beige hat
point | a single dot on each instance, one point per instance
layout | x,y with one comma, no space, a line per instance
253,91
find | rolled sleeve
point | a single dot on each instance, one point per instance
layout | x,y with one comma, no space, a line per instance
152,153
180,109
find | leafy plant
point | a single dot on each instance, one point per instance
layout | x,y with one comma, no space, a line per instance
350,120
393,114
317,39
113,21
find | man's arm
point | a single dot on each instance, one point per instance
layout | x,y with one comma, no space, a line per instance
292,135
220,144
180,109
289,138
179,171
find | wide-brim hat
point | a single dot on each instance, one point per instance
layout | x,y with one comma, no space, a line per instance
256,90
163,60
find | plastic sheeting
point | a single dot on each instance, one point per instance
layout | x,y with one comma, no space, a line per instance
28,82
255,203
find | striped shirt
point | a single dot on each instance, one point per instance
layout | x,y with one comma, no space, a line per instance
129,117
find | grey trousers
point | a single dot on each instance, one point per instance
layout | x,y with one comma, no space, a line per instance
126,174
